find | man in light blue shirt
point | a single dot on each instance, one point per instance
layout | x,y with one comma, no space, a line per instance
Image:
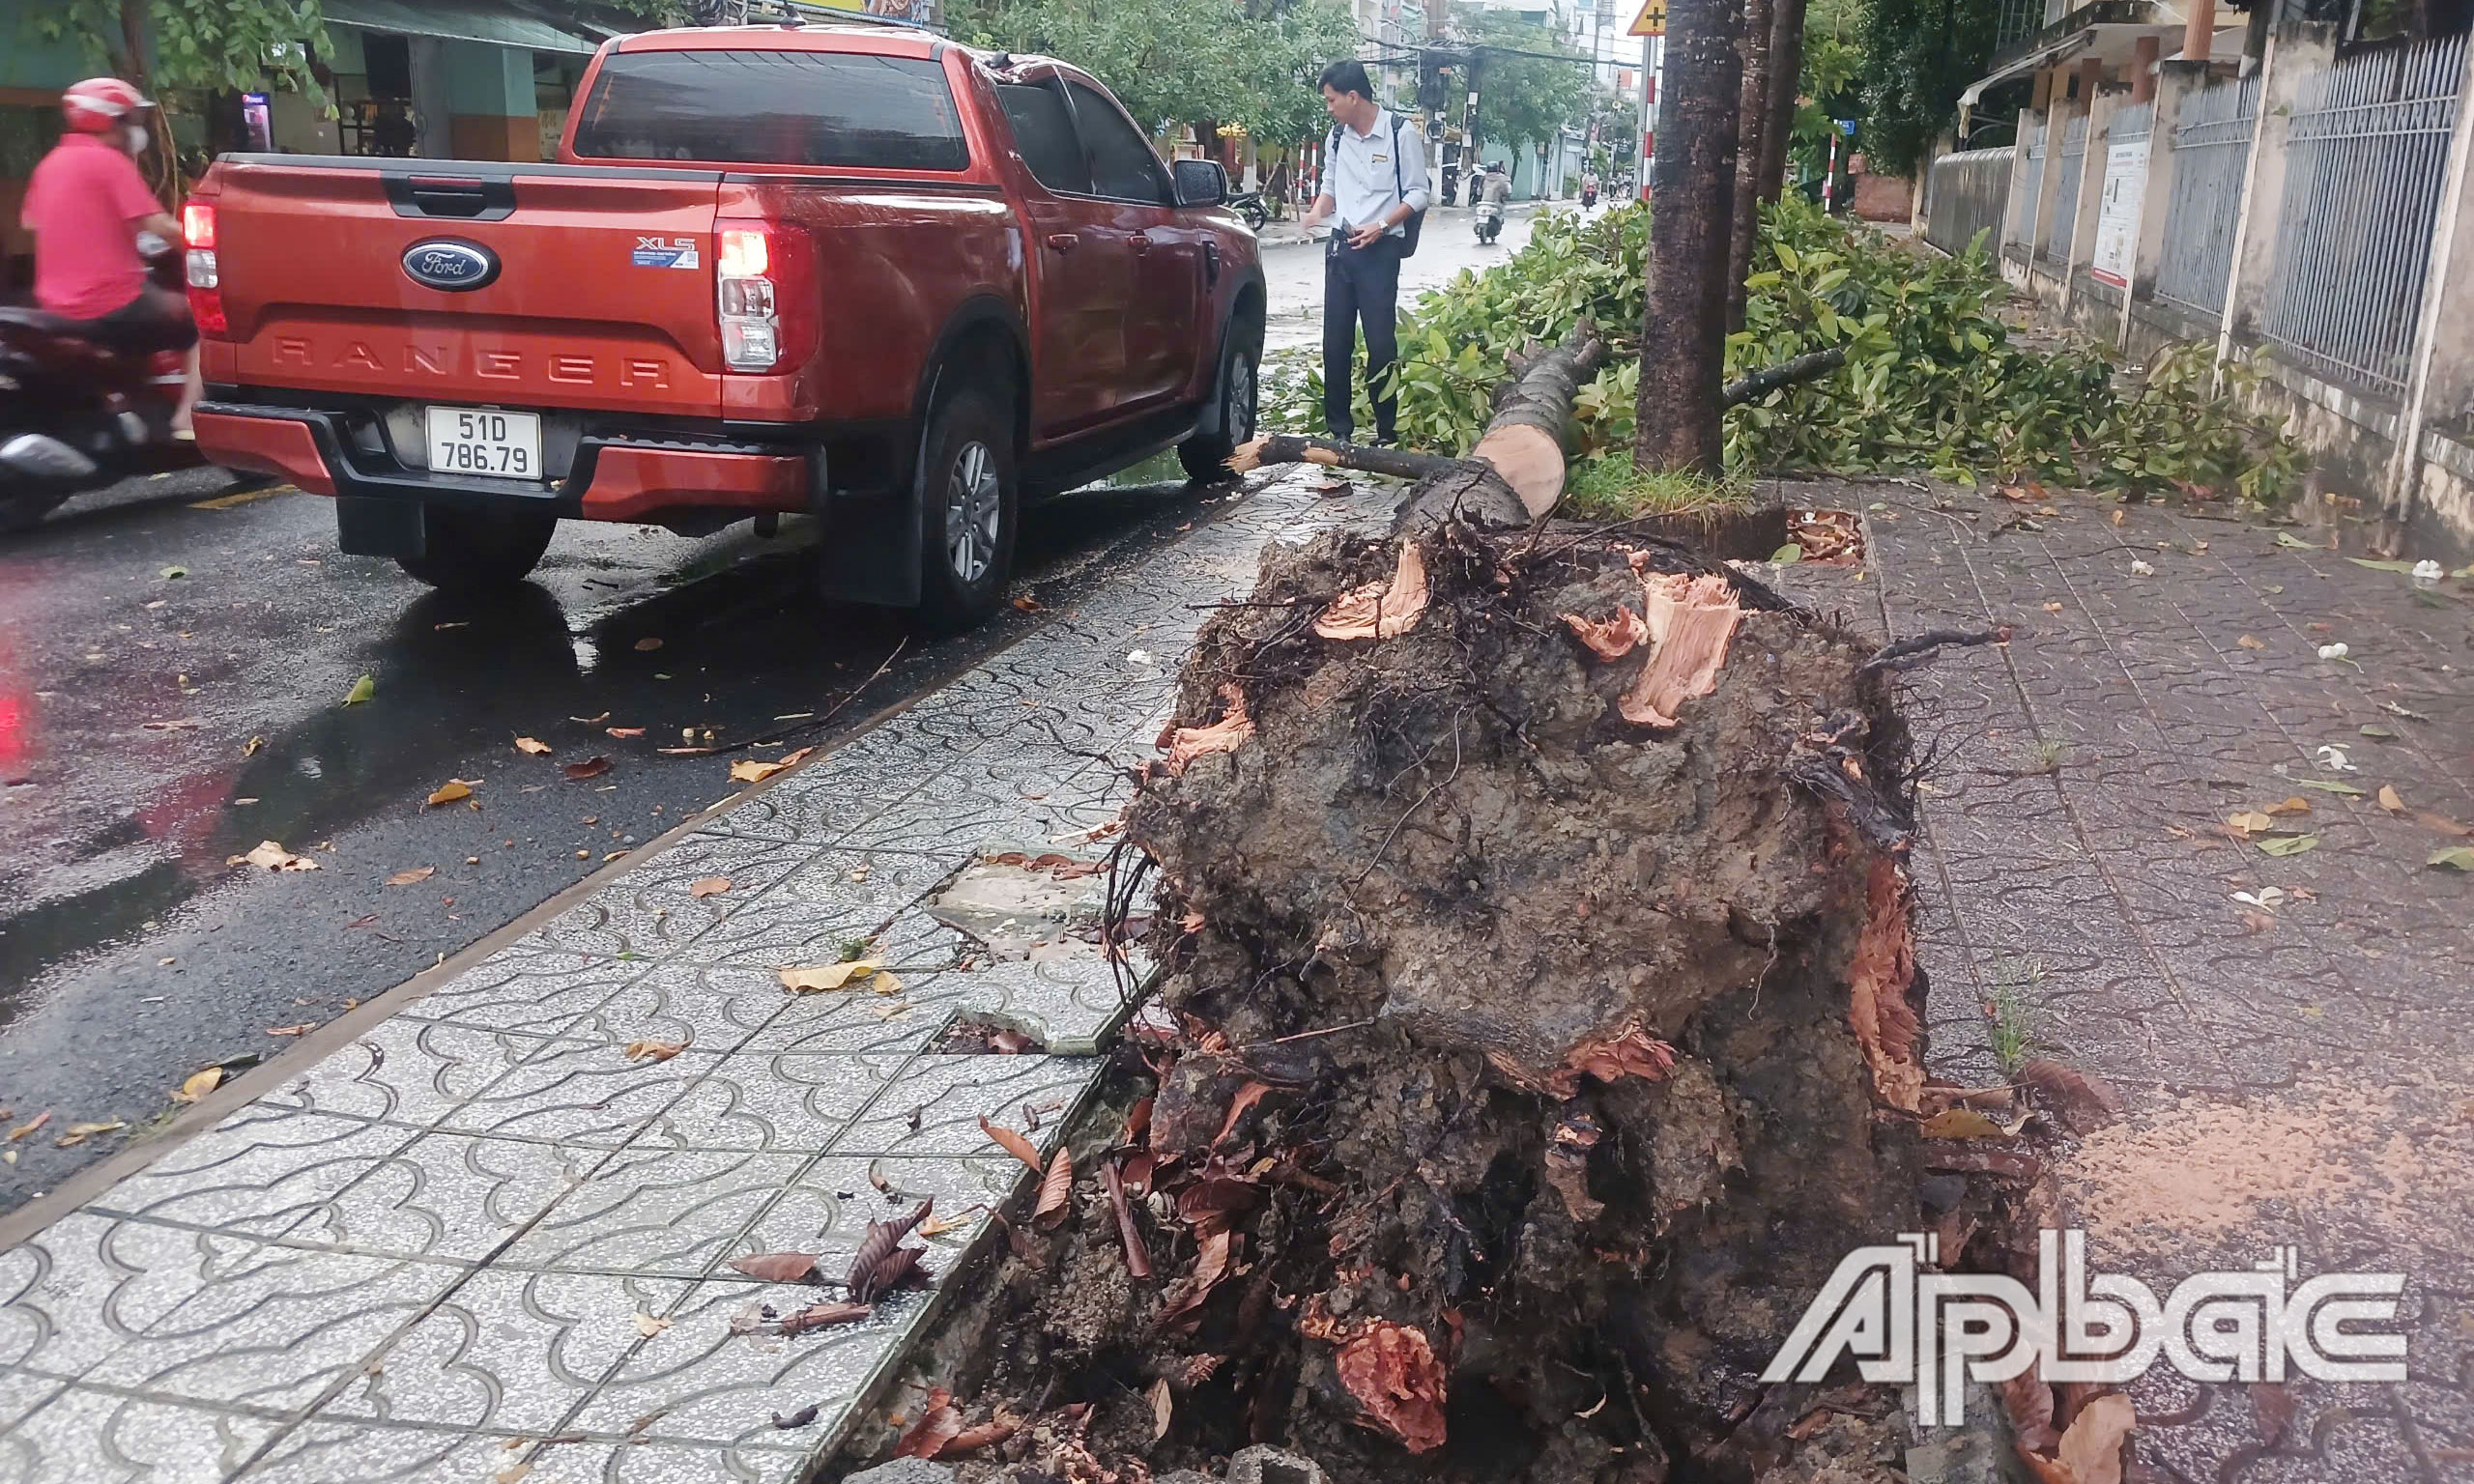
1376,179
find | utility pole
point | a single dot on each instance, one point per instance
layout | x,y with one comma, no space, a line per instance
1683,325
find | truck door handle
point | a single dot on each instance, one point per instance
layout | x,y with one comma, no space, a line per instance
1141,244
1064,242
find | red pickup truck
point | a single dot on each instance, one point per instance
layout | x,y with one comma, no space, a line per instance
854,271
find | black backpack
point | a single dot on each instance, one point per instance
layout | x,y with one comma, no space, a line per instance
1417,221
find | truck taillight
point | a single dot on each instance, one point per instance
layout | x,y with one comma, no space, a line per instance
205,275
762,287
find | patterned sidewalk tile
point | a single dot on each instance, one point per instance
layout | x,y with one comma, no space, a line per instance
483,1224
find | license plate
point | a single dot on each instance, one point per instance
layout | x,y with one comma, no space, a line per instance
495,445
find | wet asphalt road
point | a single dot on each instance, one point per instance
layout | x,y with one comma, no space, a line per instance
154,726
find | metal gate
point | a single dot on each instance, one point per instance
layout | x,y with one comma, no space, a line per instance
1966,194
2211,154
2020,218
2365,161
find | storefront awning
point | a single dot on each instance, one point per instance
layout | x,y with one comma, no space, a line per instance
457,23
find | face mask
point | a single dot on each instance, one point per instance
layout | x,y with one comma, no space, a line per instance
138,138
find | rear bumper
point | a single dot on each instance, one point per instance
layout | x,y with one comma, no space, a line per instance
610,479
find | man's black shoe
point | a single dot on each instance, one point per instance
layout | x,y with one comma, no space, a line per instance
1384,441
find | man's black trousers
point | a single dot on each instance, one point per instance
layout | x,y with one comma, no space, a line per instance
1360,284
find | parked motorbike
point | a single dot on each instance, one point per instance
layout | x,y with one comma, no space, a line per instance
1490,220
1249,206
75,416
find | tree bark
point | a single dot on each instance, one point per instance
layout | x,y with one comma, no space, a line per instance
1683,327
1295,449
1802,368
1786,79
1752,135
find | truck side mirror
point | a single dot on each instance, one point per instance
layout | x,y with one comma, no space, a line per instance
1200,182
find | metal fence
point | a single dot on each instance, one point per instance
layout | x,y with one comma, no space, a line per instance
2062,218
2366,158
2021,217
2211,154
1967,194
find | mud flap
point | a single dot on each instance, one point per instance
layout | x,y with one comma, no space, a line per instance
867,544
381,527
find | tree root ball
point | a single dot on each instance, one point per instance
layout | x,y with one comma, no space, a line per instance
1532,1067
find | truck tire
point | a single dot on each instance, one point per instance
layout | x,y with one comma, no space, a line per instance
970,501
1205,455
473,551
24,512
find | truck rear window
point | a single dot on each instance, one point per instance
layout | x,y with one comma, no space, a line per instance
774,107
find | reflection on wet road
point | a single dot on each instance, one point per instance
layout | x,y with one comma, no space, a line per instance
175,659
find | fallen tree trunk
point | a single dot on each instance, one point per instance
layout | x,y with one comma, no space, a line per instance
1524,443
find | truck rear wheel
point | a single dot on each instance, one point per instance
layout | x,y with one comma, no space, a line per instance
469,551
971,502
1205,455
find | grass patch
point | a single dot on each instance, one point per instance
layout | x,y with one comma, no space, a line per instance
2005,1005
1611,489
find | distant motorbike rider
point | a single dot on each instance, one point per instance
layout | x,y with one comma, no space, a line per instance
1497,190
86,206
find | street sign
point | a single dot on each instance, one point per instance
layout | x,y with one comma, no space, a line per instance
1651,21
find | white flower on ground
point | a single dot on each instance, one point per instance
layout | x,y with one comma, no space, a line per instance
2139,568
2427,572
2333,759
2335,651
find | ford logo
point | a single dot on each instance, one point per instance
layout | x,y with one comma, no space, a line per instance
442,263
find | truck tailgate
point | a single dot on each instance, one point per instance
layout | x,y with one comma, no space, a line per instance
600,295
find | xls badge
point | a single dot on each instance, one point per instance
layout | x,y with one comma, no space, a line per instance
1937,1330
666,253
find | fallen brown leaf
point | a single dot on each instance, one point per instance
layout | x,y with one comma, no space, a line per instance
413,878
2390,800
647,644
198,1084
29,1127
987,1434
2082,1102
79,1133
592,767
750,770
776,1267
303,1028
799,1418
625,731
2092,1447
708,886
650,1325
532,746
454,790
2030,1402
1016,1145
1027,604
274,857
2248,642
1960,1124
939,1424
654,1050
2294,804
1056,1190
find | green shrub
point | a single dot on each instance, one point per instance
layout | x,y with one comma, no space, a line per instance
1932,379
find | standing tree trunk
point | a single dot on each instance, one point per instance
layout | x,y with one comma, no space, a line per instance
1683,327
1752,135
1786,76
